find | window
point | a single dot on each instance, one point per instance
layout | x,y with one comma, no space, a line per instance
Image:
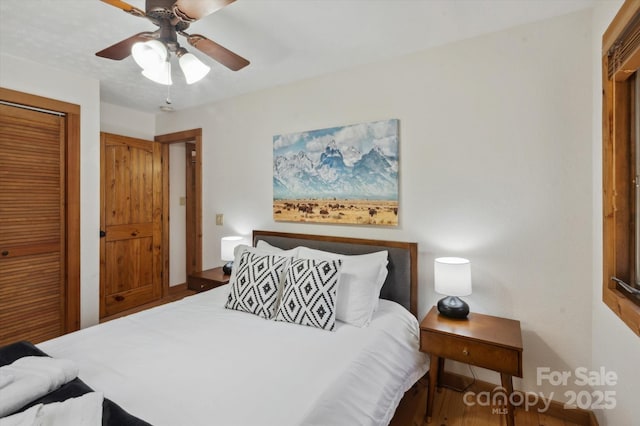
621,161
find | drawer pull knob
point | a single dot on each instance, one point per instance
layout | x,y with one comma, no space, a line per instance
465,351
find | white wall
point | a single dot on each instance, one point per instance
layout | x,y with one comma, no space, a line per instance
494,167
614,345
126,121
30,77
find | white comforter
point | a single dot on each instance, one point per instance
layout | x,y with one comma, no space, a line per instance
193,362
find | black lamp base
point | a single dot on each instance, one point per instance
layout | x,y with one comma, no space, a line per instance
453,307
227,267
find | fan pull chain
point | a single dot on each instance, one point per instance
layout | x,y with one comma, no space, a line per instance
168,100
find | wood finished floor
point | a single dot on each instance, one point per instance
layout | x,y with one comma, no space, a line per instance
450,410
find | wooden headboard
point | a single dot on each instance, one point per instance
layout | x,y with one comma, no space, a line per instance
401,285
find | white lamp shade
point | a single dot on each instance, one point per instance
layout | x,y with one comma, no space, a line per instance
227,245
161,75
452,276
150,55
193,68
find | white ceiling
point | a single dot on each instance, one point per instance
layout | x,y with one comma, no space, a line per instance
285,40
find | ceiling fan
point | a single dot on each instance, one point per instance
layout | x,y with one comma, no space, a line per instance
172,17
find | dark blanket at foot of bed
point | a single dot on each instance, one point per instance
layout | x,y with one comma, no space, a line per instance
112,413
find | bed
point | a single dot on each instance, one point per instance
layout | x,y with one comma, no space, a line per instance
196,362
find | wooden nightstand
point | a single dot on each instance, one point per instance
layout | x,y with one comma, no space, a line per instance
483,340
206,280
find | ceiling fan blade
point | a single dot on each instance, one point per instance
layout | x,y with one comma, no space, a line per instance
122,49
192,10
217,52
125,6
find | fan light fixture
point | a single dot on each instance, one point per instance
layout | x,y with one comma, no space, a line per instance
193,68
152,49
150,55
153,57
160,74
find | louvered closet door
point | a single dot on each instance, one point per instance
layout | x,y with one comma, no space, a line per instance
31,225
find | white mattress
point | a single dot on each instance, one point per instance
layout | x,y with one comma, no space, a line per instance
193,362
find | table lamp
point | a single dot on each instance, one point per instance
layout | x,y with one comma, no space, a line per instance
227,246
452,277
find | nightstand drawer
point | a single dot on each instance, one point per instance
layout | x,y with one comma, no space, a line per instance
471,352
206,280
198,284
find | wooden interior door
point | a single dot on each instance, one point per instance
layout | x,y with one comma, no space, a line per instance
32,225
131,223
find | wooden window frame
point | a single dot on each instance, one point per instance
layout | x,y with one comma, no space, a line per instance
620,61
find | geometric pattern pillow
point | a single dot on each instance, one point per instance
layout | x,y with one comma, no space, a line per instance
309,297
256,284
361,278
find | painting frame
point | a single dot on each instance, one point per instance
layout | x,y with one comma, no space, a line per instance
338,175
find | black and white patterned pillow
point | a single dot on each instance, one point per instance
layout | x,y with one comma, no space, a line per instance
256,284
310,288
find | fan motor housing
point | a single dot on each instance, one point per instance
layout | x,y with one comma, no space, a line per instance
159,8
162,10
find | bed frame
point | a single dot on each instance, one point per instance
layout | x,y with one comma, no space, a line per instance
401,285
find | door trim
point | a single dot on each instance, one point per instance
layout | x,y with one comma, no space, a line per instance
72,192
192,136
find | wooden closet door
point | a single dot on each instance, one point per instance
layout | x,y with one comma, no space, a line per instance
131,218
32,225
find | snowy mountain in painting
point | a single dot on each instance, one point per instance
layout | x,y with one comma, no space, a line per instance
331,167
371,175
351,155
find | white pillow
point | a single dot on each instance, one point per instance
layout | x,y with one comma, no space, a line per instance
263,245
359,284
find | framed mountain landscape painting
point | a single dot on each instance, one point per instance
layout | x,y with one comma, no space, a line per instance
345,175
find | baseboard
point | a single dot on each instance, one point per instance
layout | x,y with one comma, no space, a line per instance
177,289
556,409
